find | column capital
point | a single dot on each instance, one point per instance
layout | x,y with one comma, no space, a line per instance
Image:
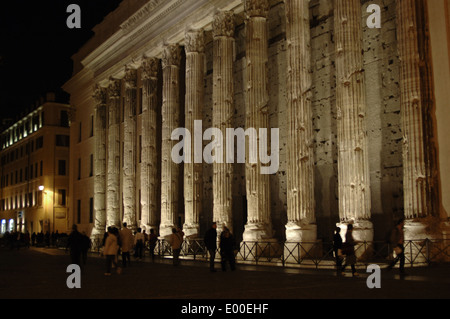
194,41
223,24
114,88
150,68
256,8
99,95
171,55
130,78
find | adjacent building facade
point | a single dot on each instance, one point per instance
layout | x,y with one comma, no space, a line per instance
361,114
35,171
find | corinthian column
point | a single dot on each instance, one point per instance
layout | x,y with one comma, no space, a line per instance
301,225
223,110
416,105
170,120
195,61
129,149
259,225
113,167
353,165
99,161
149,160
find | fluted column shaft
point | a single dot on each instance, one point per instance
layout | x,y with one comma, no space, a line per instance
223,111
149,156
416,103
170,120
259,225
195,61
300,169
113,165
353,166
99,161
129,149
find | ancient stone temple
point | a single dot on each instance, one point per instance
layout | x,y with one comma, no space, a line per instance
278,119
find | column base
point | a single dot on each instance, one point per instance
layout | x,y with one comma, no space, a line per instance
191,231
301,242
363,236
419,236
165,231
258,242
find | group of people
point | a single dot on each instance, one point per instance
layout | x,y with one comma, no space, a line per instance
123,242
18,239
346,250
79,245
227,247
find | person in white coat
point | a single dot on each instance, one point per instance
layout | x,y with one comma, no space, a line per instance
110,250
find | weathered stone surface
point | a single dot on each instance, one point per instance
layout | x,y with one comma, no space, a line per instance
300,154
129,149
353,172
223,112
113,166
193,172
259,224
170,171
99,161
149,156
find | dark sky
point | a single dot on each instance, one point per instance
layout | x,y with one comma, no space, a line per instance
36,47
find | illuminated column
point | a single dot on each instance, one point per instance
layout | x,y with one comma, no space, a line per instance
259,225
129,149
170,171
353,165
301,226
113,165
99,162
149,160
416,98
195,61
223,110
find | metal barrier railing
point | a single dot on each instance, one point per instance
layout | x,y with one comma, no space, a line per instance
313,254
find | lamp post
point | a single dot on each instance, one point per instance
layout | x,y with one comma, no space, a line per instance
41,188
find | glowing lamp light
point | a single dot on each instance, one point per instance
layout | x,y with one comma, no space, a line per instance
41,188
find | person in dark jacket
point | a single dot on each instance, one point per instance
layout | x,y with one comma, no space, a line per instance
348,249
227,246
85,247
337,248
397,241
211,244
75,244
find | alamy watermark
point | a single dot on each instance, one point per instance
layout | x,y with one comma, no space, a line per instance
219,152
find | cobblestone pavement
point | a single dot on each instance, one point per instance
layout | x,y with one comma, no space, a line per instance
41,273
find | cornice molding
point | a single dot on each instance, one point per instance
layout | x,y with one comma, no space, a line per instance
145,33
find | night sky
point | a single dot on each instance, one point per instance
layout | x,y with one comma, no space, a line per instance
36,48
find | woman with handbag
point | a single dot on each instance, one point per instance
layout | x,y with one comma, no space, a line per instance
348,249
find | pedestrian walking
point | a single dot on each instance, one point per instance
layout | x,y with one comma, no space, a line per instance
152,240
176,240
75,244
85,247
397,240
126,241
227,246
139,240
211,245
337,248
110,251
348,249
